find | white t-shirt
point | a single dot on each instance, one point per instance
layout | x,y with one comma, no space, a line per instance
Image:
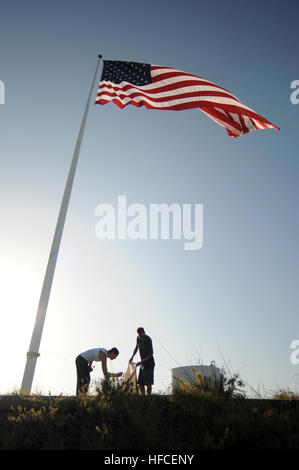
93,354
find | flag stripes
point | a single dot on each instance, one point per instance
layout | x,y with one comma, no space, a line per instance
171,89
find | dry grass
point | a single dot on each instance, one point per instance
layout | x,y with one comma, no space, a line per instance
199,416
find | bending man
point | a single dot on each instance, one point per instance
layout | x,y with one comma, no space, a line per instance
84,366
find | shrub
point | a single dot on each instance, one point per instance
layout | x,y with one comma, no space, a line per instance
199,416
223,386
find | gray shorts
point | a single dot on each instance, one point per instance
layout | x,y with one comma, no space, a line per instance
146,376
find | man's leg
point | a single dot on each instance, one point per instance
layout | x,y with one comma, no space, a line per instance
148,380
83,377
140,381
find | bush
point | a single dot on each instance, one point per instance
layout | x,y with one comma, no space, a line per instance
223,386
199,416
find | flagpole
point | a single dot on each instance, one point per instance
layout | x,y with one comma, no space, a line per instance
33,352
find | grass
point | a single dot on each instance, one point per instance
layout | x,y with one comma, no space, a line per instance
204,415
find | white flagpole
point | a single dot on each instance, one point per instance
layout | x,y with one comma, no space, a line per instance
33,353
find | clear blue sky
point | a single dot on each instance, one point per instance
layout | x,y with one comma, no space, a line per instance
233,301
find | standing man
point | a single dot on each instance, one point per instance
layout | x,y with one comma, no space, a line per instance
84,366
147,363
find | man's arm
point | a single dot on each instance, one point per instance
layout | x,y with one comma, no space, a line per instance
134,352
146,358
105,371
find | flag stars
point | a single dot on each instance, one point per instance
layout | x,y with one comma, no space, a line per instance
118,71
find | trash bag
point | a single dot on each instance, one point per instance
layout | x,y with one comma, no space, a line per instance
130,379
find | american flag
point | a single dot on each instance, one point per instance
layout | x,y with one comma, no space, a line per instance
165,88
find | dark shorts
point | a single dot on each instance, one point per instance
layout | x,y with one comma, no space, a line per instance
146,376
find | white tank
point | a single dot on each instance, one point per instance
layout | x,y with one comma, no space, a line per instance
187,373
